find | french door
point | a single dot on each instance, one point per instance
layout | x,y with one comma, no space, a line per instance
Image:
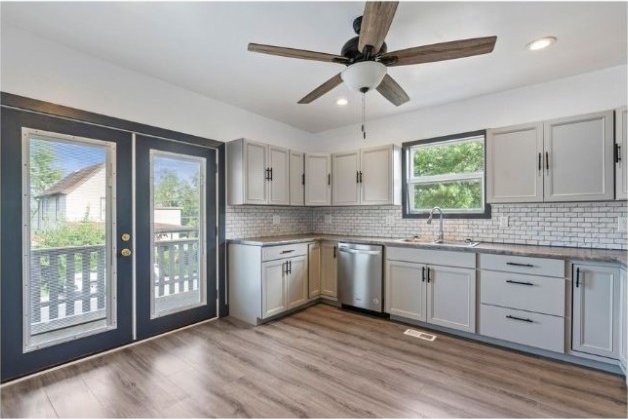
76,277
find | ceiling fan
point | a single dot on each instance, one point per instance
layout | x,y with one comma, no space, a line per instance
367,58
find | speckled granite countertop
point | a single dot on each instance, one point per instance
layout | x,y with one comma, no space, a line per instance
598,255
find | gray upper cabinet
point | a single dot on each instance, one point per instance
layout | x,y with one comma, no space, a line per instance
569,159
579,158
257,173
317,179
297,178
621,153
596,310
514,164
346,178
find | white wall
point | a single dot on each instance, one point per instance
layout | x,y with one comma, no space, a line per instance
589,92
37,68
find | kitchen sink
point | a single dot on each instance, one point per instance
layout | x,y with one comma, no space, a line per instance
457,243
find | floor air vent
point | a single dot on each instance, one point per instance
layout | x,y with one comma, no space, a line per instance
420,335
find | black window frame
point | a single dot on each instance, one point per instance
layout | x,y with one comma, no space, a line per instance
406,148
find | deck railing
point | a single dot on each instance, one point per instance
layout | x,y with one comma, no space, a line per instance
68,283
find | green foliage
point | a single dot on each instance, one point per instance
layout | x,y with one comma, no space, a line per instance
42,173
462,195
463,157
70,234
170,191
452,158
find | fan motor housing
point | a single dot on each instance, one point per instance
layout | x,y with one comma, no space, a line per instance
351,51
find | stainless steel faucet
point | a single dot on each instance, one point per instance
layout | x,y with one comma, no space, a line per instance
441,236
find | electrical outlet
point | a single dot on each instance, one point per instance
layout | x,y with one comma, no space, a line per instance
328,219
622,224
503,221
276,219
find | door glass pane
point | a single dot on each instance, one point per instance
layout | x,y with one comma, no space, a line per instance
68,220
177,224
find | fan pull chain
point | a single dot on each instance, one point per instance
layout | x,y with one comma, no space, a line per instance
364,116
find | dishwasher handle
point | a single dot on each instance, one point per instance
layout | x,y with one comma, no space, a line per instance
361,252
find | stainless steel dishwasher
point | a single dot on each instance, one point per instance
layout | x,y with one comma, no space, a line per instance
360,276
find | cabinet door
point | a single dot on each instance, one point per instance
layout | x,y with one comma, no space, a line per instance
273,288
296,282
345,176
405,290
255,158
621,156
451,297
279,163
314,267
579,158
317,179
514,164
297,178
596,310
376,179
329,269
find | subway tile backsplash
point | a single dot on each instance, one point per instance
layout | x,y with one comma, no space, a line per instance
585,224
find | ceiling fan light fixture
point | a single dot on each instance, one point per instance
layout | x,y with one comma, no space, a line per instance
363,76
541,43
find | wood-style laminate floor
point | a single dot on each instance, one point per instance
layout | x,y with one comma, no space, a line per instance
320,362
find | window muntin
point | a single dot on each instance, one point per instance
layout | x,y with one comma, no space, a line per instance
447,173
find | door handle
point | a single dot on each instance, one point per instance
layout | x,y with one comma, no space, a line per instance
540,162
423,274
271,174
357,177
577,277
617,150
361,252
547,161
360,176
429,276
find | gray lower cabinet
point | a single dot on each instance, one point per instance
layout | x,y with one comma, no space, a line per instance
596,291
273,288
440,295
296,279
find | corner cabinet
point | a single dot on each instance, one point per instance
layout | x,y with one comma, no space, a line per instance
370,176
257,174
621,153
568,159
317,179
297,178
596,301
314,263
329,270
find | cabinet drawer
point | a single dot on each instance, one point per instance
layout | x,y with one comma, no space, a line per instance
285,251
523,264
532,329
525,292
432,257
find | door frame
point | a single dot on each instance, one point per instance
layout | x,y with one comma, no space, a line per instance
25,106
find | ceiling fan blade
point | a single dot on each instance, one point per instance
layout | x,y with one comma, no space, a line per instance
439,52
391,90
297,53
322,89
378,16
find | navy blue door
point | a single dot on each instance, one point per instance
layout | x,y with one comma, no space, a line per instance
176,235
66,261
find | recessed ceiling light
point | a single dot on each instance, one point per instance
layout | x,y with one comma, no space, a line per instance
342,101
541,43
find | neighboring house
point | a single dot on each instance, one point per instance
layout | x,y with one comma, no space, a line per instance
80,196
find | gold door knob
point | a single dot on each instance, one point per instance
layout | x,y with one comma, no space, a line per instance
125,237
125,252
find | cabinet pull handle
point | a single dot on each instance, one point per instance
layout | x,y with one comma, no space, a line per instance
360,176
287,251
547,161
329,178
303,179
284,268
524,265
423,274
357,177
540,162
335,251
289,266
577,277
521,319
429,276
266,177
510,281
271,174
617,153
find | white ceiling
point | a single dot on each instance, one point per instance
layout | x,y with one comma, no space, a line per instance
202,47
